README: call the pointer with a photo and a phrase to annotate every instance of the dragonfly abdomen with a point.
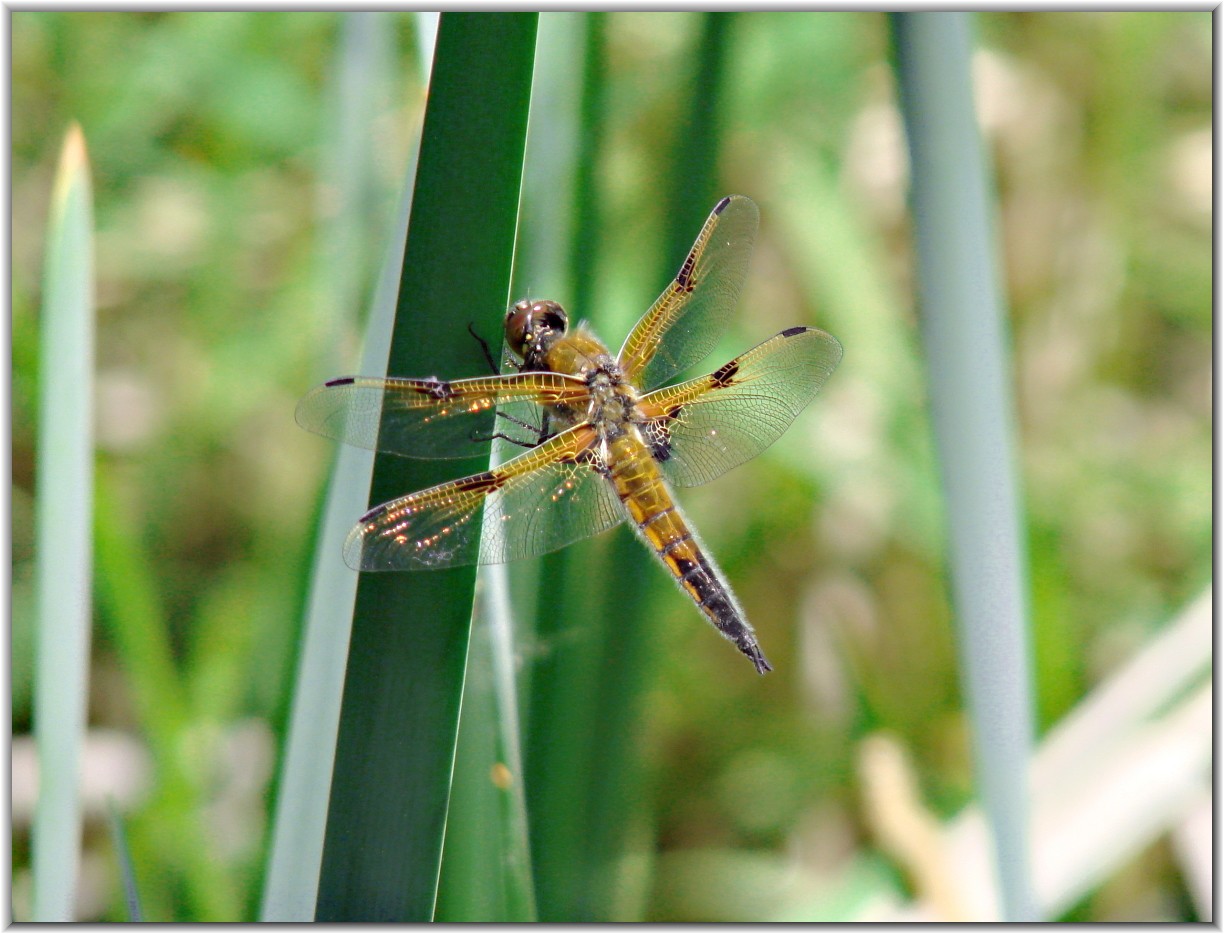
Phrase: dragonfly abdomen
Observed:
(663, 527)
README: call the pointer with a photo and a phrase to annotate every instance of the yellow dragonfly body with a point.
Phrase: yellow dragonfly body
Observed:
(603, 444)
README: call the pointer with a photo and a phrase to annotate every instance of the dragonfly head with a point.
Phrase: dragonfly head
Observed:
(531, 327)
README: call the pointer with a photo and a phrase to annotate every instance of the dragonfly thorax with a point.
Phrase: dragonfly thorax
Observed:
(612, 400)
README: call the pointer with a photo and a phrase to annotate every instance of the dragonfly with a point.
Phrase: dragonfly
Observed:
(605, 439)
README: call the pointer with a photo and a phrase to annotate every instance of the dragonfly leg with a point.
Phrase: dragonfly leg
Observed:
(488, 353)
(542, 434)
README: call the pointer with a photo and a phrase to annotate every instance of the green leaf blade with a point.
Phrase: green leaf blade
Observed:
(408, 650)
(64, 527)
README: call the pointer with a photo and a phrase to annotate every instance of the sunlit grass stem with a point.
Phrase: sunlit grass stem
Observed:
(965, 334)
(64, 530)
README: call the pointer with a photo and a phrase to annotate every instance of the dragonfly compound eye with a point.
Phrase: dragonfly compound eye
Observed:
(529, 325)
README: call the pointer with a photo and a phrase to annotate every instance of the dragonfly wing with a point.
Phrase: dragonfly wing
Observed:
(685, 322)
(430, 418)
(538, 502)
(702, 428)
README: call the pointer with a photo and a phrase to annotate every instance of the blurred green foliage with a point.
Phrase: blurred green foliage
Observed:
(206, 133)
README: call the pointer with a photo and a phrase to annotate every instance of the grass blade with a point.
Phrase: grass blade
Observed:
(1121, 770)
(363, 75)
(131, 893)
(966, 343)
(1115, 774)
(563, 679)
(408, 649)
(296, 851)
(297, 837)
(587, 689)
(487, 868)
(64, 527)
(135, 619)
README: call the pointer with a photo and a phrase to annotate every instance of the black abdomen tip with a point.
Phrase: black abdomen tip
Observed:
(761, 662)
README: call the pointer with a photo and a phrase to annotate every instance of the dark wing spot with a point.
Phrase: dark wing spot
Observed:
(373, 513)
(658, 435)
(481, 481)
(725, 373)
(436, 388)
(791, 332)
(722, 205)
(341, 381)
(684, 278)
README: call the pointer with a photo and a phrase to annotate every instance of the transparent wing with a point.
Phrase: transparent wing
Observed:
(428, 417)
(685, 322)
(538, 502)
(702, 428)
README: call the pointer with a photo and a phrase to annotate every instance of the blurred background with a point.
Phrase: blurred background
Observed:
(228, 285)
